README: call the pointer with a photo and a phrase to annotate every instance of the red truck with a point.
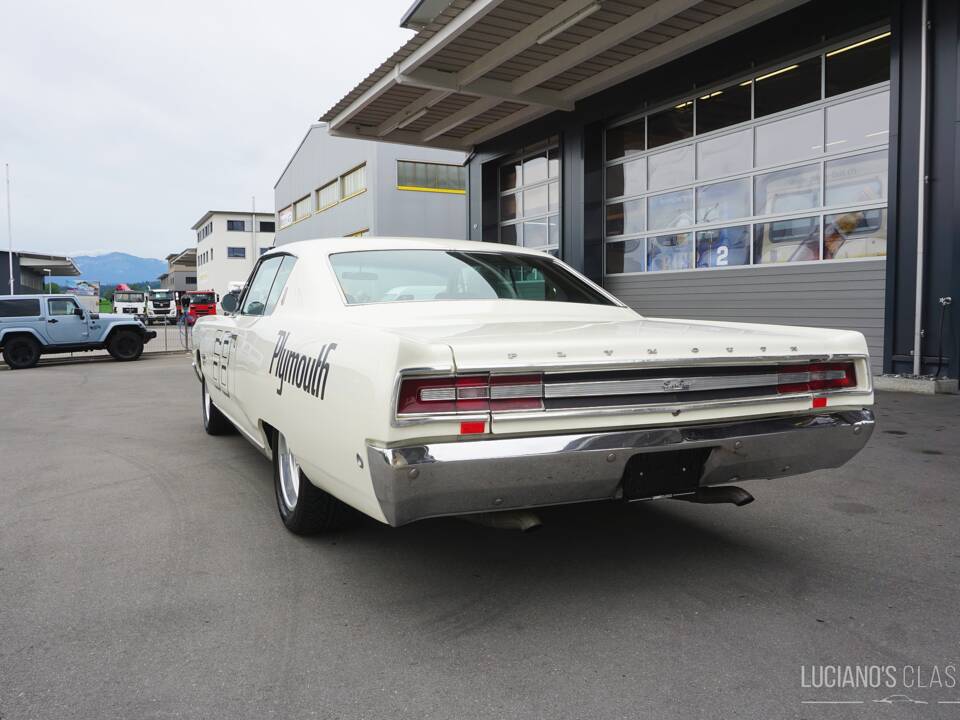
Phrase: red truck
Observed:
(198, 303)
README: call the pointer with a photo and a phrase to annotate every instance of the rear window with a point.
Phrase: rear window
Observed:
(20, 307)
(380, 276)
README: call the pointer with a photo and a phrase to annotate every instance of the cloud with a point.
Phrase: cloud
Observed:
(124, 122)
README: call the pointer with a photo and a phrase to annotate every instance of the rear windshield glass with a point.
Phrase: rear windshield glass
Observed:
(201, 298)
(128, 297)
(20, 307)
(379, 276)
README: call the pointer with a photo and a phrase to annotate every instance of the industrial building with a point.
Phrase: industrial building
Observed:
(181, 274)
(31, 271)
(228, 245)
(338, 187)
(775, 161)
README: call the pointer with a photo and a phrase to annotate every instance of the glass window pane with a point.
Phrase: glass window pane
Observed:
(858, 179)
(553, 223)
(535, 234)
(671, 210)
(508, 207)
(671, 168)
(626, 139)
(725, 155)
(787, 190)
(786, 241)
(670, 252)
(553, 162)
(723, 201)
(670, 125)
(625, 218)
(535, 201)
(859, 123)
(510, 175)
(784, 88)
(723, 108)
(793, 138)
(630, 178)
(723, 247)
(535, 168)
(858, 65)
(404, 173)
(554, 195)
(279, 282)
(855, 234)
(256, 298)
(509, 234)
(625, 257)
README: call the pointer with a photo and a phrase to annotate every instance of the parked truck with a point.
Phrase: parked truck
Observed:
(161, 307)
(130, 302)
(35, 325)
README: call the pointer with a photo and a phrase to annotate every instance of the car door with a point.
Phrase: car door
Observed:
(64, 325)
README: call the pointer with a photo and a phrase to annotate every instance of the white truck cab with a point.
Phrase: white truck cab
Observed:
(130, 302)
(161, 306)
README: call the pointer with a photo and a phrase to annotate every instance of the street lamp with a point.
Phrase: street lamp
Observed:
(46, 284)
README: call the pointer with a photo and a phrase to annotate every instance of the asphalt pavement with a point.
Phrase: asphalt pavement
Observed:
(144, 573)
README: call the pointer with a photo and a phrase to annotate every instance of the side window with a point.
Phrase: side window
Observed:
(19, 307)
(286, 267)
(259, 290)
(61, 306)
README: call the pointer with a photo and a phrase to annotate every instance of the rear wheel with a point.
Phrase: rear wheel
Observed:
(21, 352)
(214, 421)
(304, 508)
(125, 345)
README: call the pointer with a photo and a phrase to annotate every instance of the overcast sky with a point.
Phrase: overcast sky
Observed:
(123, 122)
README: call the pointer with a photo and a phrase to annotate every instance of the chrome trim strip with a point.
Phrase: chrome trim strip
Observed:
(664, 384)
(511, 392)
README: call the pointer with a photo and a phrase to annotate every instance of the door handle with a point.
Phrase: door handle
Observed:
(52, 320)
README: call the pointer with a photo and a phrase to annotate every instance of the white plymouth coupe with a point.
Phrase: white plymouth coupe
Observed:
(410, 378)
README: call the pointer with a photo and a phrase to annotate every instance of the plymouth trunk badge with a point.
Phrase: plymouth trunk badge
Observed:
(676, 385)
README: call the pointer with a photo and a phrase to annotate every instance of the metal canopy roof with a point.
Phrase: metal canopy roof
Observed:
(482, 67)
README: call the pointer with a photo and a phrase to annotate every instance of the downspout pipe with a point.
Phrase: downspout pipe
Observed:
(921, 194)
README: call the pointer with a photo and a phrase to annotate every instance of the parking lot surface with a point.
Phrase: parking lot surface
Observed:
(144, 573)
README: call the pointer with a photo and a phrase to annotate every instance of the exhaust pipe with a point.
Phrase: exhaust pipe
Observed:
(719, 494)
(522, 520)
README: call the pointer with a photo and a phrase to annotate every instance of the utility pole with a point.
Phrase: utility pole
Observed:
(10, 231)
(254, 254)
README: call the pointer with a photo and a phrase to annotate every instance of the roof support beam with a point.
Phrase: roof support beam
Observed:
(437, 80)
(744, 16)
(477, 107)
(403, 137)
(508, 123)
(611, 37)
(423, 103)
(521, 41)
(431, 47)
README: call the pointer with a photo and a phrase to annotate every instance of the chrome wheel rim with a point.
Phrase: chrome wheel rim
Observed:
(289, 473)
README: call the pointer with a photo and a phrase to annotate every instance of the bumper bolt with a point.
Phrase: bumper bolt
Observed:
(611, 457)
(413, 474)
(856, 429)
(738, 444)
(498, 501)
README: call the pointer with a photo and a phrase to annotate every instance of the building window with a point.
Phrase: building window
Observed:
(191, 279)
(431, 177)
(237, 225)
(328, 195)
(529, 194)
(353, 182)
(749, 182)
(301, 208)
(267, 226)
(286, 216)
(236, 252)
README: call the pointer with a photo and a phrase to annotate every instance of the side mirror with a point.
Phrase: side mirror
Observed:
(78, 312)
(229, 302)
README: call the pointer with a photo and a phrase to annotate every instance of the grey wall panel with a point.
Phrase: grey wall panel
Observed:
(845, 295)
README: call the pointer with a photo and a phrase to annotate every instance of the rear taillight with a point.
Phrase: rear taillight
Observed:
(470, 393)
(815, 377)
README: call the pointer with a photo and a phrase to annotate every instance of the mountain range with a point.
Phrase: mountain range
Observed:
(116, 267)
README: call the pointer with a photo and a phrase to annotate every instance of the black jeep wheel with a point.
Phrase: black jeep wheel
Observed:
(125, 345)
(21, 352)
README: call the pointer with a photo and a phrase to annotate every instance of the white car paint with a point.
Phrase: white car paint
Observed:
(365, 347)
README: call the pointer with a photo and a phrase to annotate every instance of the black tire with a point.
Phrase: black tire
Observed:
(125, 345)
(21, 352)
(214, 421)
(314, 510)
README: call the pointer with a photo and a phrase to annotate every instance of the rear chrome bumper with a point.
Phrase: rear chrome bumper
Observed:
(456, 478)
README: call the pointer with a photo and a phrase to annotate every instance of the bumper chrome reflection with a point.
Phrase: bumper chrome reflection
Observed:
(455, 478)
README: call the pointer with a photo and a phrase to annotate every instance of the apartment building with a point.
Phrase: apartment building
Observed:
(336, 187)
(228, 245)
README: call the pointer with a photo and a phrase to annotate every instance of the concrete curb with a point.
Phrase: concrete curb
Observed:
(920, 386)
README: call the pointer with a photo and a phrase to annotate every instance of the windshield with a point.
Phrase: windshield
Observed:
(201, 298)
(127, 297)
(161, 295)
(379, 276)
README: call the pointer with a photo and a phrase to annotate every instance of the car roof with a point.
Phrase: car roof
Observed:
(320, 247)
